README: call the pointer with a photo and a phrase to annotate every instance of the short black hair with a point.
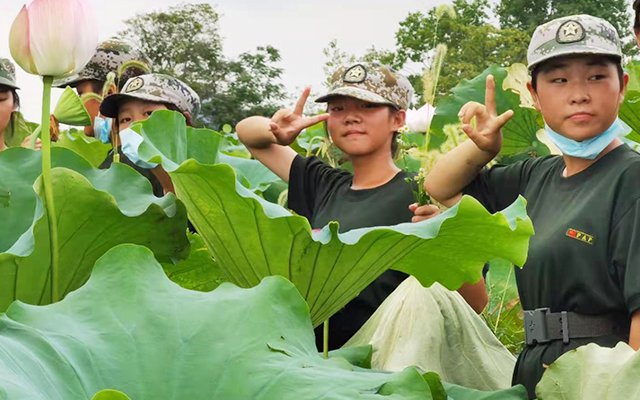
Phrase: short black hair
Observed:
(543, 66)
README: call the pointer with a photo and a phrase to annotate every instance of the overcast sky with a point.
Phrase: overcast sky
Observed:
(300, 30)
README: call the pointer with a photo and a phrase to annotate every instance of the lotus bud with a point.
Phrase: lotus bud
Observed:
(53, 37)
(419, 120)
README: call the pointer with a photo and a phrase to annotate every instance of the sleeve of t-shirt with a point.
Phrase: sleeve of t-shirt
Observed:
(625, 250)
(309, 180)
(498, 187)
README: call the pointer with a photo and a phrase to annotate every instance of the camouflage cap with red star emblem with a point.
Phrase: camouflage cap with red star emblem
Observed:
(576, 34)
(372, 82)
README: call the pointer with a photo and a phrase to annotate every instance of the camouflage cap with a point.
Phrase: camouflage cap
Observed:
(576, 34)
(109, 56)
(372, 82)
(157, 88)
(7, 73)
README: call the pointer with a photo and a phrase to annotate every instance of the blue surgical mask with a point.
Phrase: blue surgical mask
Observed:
(102, 129)
(131, 140)
(589, 148)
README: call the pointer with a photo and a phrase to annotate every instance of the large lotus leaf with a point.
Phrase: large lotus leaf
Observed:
(90, 148)
(519, 134)
(96, 210)
(132, 330)
(630, 113)
(592, 372)
(169, 141)
(199, 271)
(251, 238)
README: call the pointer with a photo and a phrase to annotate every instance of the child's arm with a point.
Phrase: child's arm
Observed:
(634, 333)
(268, 140)
(459, 167)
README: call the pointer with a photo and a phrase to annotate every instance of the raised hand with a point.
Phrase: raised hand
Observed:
(485, 133)
(287, 124)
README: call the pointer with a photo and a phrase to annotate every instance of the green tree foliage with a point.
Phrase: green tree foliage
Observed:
(473, 42)
(184, 41)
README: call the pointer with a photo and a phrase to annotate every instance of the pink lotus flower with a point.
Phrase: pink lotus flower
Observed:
(53, 37)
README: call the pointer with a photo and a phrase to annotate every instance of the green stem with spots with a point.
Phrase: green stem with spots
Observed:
(47, 182)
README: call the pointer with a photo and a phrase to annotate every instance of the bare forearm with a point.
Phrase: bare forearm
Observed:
(454, 171)
(634, 332)
(254, 132)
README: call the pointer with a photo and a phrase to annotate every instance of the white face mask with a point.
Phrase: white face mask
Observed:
(102, 128)
(131, 141)
(590, 148)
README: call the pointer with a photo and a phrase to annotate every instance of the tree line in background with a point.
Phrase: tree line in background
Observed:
(477, 34)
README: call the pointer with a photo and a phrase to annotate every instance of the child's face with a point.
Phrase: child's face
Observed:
(579, 96)
(361, 128)
(132, 110)
(6, 108)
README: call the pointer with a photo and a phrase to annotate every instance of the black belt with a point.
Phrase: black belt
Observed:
(542, 326)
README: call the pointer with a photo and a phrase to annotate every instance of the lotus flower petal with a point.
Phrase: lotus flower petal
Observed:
(19, 42)
(419, 120)
(59, 39)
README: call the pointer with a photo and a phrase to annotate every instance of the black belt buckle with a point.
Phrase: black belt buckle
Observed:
(535, 326)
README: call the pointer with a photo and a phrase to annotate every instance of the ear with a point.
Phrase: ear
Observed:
(187, 116)
(398, 119)
(534, 96)
(625, 82)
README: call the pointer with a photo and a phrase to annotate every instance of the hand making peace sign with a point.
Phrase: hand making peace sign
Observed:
(286, 124)
(486, 132)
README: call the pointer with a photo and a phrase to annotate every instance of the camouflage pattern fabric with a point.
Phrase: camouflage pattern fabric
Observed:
(576, 34)
(7, 73)
(109, 56)
(372, 82)
(157, 88)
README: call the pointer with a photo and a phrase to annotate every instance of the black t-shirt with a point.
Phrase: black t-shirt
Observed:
(323, 194)
(585, 254)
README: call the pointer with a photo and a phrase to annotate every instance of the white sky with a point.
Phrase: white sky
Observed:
(300, 30)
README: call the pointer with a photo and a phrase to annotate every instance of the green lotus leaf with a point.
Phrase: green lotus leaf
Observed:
(630, 113)
(251, 238)
(96, 210)
(18, 129)
(456, 392)
(88, 147)
(131, 330)
(109, 394)
(592, 372)
(199, 271)
(519, 134)
(70, 110)
(198, 144)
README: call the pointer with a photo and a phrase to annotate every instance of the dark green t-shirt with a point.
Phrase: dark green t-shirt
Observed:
(585, 254)
(323, 194)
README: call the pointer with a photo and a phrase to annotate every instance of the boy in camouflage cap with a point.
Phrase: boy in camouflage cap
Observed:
(581, 281)
(110, 56)
(141, 96)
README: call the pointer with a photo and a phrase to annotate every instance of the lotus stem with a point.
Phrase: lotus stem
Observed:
(325, 339)
(47, 182)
